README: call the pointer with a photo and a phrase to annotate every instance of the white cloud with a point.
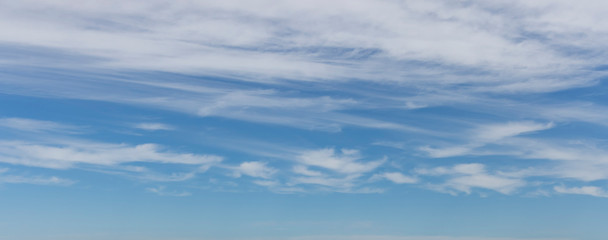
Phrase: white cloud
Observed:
(574, 111)
(32, 125)
(467, 168)
(412, 105)
(487, 134)
(344, 40)
(345, 161)
(330, 170)
(495, 132)
(269, 99)
(447, 151)
(69, 154)
(465, 177)
(304, 60)
(336, 183)
(454, 45)
(254, 169)
(585, 190)
(161, 191)
(303, 170)
(500, 184)
(395, 177)
(580, 160)
(156, 177)
(269, 106)
(37, 180)
(154, 126)
(266, 183)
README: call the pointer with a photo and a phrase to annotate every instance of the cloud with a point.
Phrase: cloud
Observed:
(330, 170)
(571, 159)
(254, 169)
(154, 126)
(487, 134)
(495, 132)
(574, 159)
(270, 106)
(412, 105)
(447, 151)
(343, 161)
(266, 183)
(161, 191)
(318, 47)
(32, 125)
(269, 99)
(37, 180)
(395, 177)
(63, 155)
(518, 49)
(465, 177)
(208, 98)
(466, 52)
(303, 170)
(385, 65)
(578, 111)
(156, 177)
(336, 183)
(585, 190)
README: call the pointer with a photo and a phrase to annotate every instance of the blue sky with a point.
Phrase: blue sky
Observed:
(303, 120)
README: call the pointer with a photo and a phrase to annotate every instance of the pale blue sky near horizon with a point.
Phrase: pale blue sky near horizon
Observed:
(303, 120)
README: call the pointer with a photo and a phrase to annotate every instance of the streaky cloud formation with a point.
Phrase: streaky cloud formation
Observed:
(37, 180)
(465, 177)
(254, 63)
(32, 125)
(395, 177)
(154, 126)
(68, 154)
(585, 190)
(350, 119)
(160, 190)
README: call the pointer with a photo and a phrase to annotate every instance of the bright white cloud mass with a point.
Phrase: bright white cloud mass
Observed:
(401, 99)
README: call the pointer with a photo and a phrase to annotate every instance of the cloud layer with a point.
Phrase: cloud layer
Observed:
(355, 96)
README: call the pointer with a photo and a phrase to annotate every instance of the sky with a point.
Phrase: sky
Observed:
(303, 120)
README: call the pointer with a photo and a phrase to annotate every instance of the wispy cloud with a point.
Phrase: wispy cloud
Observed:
(154, 126)
(521, 52)
(585, 190)
(318, 47)
(62, 155)
(465, 177)
(32, 125)
(162, 191)
(150, 176)
(495, 132)
(254, 169)
(333, 170)
(450, 79)
(486, 134)
(395, 177)
(342, 161)
(37, 180)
